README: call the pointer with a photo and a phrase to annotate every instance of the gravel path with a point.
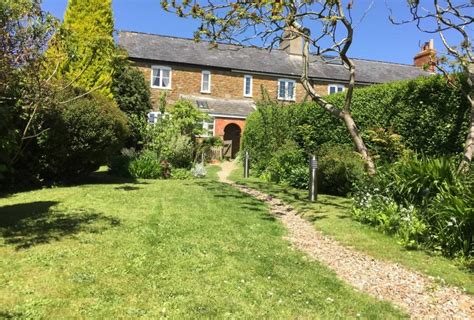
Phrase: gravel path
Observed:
(416, 293)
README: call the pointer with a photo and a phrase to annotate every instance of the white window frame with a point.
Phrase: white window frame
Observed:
(337, 86)
(286, 97)
(247, 76)
(205, 126)
(205, 72)
(160, 68)
(156, 116)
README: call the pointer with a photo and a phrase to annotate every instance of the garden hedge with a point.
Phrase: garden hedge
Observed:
(427, 115)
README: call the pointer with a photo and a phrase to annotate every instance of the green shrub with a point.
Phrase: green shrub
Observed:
(417, 180)
(266, 130)
(25, 31)
(119, 164)
(212, 142)
(428, 114)
(146, 166)
(385, 144)
(181, 174)
(339, 168)
(424, 202)
(178, 151)
(81, 135)
(452, 217)
(187, 118)
(425, 115)
(131, 91)
(173, 138)
(132, 94)
(288, 166)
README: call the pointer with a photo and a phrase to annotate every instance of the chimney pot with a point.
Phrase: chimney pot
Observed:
(427, 56)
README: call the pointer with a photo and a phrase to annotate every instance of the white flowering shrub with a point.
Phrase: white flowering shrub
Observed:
(424, 203)
(199, 171)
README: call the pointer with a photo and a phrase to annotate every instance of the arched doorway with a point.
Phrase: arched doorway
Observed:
(232, 132)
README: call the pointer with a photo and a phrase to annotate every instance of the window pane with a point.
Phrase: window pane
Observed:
(152, 117)
(165, 75)
(332, 89)
(156, 81)
(205, 81)
(166, 82)
(281, 89)
(248, 80)
(340, 88)
(156, 77)
(291, 89)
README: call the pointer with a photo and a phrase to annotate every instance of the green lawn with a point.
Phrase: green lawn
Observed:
(331, 215)
(177, 249)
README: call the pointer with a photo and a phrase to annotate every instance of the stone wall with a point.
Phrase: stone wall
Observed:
(224, 84)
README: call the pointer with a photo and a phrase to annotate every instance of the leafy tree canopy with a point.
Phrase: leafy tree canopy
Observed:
(131, 91)
(84, 51)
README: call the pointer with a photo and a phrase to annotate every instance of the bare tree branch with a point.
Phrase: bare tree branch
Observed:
(443, 17)
(270, 22)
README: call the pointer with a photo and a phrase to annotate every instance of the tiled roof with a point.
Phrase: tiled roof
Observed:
(257, 60)
(225, 107)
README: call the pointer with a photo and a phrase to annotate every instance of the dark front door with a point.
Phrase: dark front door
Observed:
(232, 132)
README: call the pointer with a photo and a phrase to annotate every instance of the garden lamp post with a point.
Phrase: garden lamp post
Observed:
(313, 180)
(246, 164)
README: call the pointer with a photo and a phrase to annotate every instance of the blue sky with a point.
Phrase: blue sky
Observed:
(375, 38)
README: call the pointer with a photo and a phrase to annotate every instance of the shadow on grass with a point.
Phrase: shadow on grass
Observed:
(314, 218)
(103, 177)
(127, 188)
(11, 315)
(220, 190)
(95, 178)
(246, 202)
(28, 224)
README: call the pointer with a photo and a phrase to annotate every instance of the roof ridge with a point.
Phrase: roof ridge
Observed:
(191, 39)
(387, 62)
(260, 48)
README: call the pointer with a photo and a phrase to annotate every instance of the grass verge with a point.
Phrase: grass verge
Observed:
(331, 215)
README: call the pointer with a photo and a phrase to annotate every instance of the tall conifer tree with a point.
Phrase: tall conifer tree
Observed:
(84, 52)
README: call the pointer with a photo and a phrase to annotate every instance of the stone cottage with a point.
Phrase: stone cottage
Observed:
(226, 81)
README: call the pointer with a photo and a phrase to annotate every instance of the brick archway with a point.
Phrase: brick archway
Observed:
(232, 132)
(220, 125)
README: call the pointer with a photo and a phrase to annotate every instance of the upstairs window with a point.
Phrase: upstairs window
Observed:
(286, 89)
(248, 86)
(206, 82)
(161, 77)
(335, 88)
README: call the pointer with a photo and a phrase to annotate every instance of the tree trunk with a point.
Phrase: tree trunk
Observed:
(343, 114)
(469, 144)
(358, 141)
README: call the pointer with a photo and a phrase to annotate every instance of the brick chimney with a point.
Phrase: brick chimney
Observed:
(291, 42)
(426, 59)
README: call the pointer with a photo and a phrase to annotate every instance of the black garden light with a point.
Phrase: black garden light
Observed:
(313, 180)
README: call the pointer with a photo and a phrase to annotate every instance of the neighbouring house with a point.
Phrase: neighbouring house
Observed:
(226, 81)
